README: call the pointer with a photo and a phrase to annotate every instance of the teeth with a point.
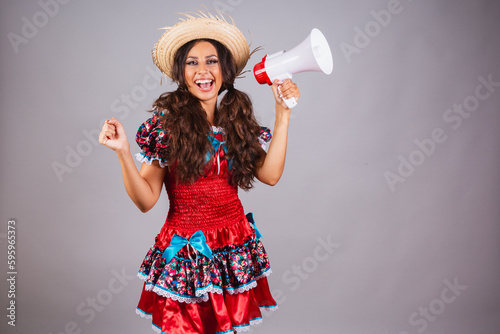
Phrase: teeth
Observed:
(203, 81)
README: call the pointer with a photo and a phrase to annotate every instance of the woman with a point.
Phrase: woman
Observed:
(207, 270)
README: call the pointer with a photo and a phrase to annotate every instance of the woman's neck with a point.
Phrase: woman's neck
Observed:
(210, 110)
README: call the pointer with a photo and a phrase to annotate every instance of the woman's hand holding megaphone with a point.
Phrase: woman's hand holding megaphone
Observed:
(285, 90)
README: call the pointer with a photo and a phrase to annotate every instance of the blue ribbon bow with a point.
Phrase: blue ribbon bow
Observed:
(197, 241)
(216, 144)
(252, 223)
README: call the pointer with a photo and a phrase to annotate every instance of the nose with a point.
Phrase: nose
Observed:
(202, 68)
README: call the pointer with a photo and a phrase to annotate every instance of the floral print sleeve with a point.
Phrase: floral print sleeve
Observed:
(152, 139)
(265, 136)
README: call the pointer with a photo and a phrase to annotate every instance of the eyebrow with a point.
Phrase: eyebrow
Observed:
(210, 56)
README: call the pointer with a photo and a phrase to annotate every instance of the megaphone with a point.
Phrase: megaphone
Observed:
(313, 54)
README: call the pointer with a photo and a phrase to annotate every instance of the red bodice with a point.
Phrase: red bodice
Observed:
(208, 203)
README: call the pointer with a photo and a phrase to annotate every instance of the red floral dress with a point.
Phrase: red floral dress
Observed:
(207, 270)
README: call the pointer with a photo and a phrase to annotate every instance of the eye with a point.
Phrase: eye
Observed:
(191, 62)
(212, 61)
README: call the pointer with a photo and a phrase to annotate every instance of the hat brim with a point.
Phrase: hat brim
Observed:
(200, 28)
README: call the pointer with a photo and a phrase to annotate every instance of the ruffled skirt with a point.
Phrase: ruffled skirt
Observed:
(193, 293)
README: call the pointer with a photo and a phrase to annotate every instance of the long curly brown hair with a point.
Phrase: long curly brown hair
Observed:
(186, 122)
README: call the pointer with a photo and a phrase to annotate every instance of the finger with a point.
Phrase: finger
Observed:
(288, 84)
(110, 135)
(120, 130)
(103, 137)
(289, 93)
(107, 133)
(276, 90)
(276, 83)
(113, 121)
(286, 87)
(102, 134)
(107, 125)
(110, 132)
(290, 90)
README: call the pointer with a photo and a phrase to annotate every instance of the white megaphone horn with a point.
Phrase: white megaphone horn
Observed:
(313, 54)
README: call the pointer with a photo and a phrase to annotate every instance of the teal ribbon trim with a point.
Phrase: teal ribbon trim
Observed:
(197, 241)
(252, 223)
(216, 144)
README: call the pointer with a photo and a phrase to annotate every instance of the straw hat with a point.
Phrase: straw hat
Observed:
(203, 25)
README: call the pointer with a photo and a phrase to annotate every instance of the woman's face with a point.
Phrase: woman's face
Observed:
(202, 72)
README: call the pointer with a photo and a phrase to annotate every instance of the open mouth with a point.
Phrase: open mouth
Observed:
(205, 85)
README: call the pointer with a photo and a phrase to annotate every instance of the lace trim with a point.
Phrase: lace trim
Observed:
(156, 329)
(175, 297)
(202, 294)
(241, 289)
(264, 274)
(269, 308)
(217, 129)
(141, 157)
(207, 289)
(189, 300)
(246, 328)
(263, 144)
(237, 328)
(143, 314)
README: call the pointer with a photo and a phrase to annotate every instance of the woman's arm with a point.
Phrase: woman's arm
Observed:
(144, 187)
(272, 164)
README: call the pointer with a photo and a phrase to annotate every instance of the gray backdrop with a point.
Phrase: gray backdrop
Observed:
(386, 219)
